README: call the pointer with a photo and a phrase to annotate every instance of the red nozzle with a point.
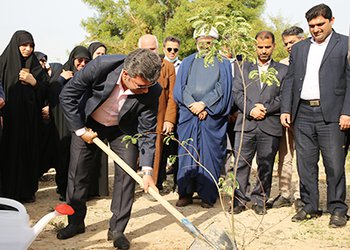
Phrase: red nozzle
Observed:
(64, 209)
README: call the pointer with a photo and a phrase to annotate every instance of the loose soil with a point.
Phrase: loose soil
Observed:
(152, 227)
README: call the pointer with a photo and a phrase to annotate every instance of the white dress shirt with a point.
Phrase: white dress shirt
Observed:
(263, 68)
(311, 84)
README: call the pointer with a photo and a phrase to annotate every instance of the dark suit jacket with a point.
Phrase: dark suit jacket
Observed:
(92, 85)
(334, 78)
(269, 96)
(2, 94)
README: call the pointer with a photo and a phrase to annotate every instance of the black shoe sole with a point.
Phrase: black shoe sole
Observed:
(64, 237)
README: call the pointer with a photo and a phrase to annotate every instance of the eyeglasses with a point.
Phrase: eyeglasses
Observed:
(146, 86)
(142, 86)
(80, 60)
(174, 49)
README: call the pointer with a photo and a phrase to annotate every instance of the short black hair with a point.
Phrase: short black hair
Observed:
(265, 34)
(319, 10)
(171, 39)
(293, 31)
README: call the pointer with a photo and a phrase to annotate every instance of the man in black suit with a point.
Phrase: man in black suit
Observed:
(316, 99)
(2, 104)
(262, 129)
(113, 96)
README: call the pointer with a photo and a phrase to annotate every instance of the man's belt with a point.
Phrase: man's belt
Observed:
(311, 103)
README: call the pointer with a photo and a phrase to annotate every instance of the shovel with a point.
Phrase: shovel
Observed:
(222, 242)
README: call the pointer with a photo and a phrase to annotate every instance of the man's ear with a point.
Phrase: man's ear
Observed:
(125, 74)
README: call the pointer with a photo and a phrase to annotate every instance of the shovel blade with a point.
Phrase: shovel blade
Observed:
(216, 236)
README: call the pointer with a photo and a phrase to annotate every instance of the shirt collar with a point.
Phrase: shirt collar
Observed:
(265, 64)
(119, 83)
(325, 42)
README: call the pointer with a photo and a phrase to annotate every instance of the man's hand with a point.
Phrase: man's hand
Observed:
(202, 115)
(197, 107)
(148, 182)
(258, 112)
(89, 135)
(344, 122)
(168, 127)
(27, 78)
(285, 120)
(2, 103)
(45, 112)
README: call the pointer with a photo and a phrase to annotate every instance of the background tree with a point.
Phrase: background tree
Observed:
(277, 25)
(120, 23)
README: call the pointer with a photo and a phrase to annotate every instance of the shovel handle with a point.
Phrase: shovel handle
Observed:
(179, 216)
(138, 179)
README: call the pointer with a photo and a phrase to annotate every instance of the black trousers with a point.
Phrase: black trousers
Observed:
(81, 166)
(312, 136)
(265, 146)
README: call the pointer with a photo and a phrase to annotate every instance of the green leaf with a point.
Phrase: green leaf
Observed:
(126, 138)
(172, 159)
(253, 74)
(133, 140)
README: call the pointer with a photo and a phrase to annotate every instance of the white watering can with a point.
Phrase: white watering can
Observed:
(15, 232)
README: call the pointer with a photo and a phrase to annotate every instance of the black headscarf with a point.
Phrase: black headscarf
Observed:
(56, 68)
(40, 55)
(94, 46)
(12, 61)
(78, 52)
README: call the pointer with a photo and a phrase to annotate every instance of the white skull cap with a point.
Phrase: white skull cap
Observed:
(213, 33)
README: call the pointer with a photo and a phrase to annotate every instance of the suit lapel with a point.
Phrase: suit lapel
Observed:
(305, 53)
(111, 81)
(255, 81)
(331, 44)
(129, 103)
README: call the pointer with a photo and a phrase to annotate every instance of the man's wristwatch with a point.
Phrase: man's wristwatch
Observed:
(148, 172)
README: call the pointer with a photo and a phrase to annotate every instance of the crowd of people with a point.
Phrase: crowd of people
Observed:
(50, 114)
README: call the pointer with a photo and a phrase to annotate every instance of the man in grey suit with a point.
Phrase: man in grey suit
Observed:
(113, 96)
(316, 99)
(262, 130)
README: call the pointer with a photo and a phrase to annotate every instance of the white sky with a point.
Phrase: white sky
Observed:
(55, 24)
(294, 12)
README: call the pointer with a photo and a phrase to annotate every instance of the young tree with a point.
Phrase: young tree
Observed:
(235, 39)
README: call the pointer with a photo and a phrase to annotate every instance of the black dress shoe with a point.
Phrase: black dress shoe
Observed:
(184, 201)
(302, 215)
(119, 240)
(259, 210)
(237, 209)
(206, 204)
(70, 230)
(338, 220)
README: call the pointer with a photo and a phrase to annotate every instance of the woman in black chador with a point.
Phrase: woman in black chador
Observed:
(77, 60)
(99, 177)
(47, 129)
(24, 83)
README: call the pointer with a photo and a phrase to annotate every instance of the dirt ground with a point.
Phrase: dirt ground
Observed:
(152, 227)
